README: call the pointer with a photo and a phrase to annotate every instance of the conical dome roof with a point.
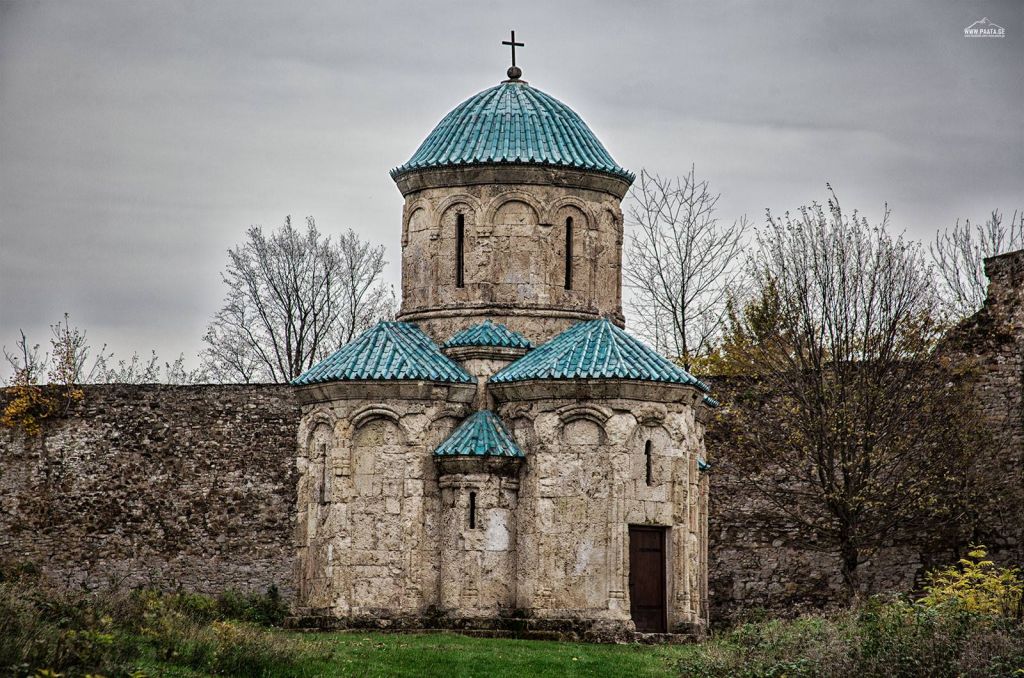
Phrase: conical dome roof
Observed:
(481, 435)
(596, 349)
(387, 351)
(513, 123)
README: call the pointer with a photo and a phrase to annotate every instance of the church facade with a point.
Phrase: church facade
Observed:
(504, 455)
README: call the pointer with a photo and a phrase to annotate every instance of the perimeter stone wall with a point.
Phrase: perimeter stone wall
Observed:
(992, 343)
(164, 485)
(756, 563)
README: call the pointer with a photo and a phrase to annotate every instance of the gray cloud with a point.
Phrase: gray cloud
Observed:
(139, 140)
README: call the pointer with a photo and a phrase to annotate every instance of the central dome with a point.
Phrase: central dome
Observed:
(513, 123)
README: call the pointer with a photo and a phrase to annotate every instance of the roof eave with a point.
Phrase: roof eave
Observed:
(412, 179)
(596, 389)
(461, 353)
(385, 389)
(456, 465)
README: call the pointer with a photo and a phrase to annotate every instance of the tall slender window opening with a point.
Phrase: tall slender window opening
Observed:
(460, 250)
(472, 510)
(649, 463)
(568, 253)
(323, 473)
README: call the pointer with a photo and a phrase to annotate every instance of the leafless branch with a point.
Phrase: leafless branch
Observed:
(293, 298)
(680, 264)
(959, 254)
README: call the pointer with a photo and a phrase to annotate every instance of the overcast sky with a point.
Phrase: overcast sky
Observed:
(139, 139)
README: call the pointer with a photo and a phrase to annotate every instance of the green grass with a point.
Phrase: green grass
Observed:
(451, 655)
(122, 633)
(878, 640)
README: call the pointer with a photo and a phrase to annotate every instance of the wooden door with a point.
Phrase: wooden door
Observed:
(647, 578)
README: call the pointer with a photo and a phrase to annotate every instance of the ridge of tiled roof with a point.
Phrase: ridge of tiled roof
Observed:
(488, 333)
(390, 350)
(482, 434)
(596, 349)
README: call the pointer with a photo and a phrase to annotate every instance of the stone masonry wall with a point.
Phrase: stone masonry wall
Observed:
(369, 549)
(515, 250)
(755, 564)
(391, 542)
(166, 485)
(992, 344)
(585, 484)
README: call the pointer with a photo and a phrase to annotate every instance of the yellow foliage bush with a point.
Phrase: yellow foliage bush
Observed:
(977, 584)
(29, 405)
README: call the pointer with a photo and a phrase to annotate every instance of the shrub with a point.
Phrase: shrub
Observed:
(240, 649)
(29, 405)
(267, 609)
(65, 632)
(50, 630)
(883, 638)
(977, 585)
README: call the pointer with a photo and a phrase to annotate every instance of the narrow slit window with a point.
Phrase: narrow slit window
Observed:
(472, 510)
(323, 473)
(649, 463)
(460, 250)
(568, 253)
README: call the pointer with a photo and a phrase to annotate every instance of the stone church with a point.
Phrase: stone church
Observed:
(503, 458)
(504, 455)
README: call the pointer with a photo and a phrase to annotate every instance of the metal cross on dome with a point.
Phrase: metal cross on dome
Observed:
(513, 44)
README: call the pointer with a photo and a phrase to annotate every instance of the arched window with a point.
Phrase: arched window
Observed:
(649, 463)
(472, 510)
(324, 473)
(460, 250)
(568, 253)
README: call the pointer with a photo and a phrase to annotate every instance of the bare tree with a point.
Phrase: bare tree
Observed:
(293, 298)
(681, 263)
(27, 365)
(959, 253)
(71, 360)
(139, 370)
(850, 428)
(228, 355)
(364, 300)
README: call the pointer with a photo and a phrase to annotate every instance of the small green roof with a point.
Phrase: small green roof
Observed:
(596, 349)
(513, 123)
(481, 435)
(488, 334)
(387, 351)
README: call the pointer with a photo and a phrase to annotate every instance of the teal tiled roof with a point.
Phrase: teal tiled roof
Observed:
(387, 351)
(513, 123)
(481, 435)
(595, 349)
(488, 334)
